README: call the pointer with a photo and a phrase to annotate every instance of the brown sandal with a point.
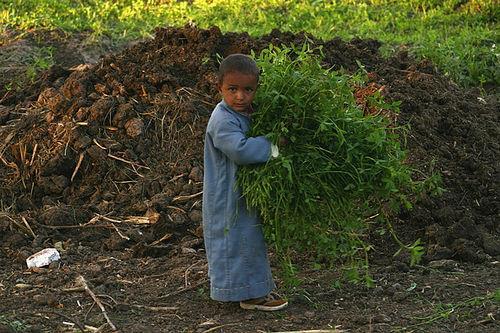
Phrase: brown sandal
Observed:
(271, 302)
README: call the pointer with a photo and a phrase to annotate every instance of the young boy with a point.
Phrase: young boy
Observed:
(238, 265)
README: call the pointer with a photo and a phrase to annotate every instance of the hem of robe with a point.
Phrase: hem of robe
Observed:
(237, 294)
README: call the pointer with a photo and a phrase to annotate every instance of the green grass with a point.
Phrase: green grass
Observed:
(462, 310)
(13, 324)
(32, 63)
(459, 36)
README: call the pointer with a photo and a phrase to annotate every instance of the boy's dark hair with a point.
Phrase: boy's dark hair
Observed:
(238, 62)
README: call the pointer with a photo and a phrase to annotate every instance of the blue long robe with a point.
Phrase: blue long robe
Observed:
(238, 265)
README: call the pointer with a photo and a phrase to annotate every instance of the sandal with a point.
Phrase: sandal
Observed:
(271, 302)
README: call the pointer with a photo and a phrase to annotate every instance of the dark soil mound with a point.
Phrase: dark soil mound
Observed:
(119, 144)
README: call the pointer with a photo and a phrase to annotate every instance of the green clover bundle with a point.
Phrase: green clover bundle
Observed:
(339, 166)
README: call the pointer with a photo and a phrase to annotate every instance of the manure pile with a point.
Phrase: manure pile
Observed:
(119, 145)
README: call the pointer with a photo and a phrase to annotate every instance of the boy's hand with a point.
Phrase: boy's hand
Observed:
(282, 141)
(275, 152)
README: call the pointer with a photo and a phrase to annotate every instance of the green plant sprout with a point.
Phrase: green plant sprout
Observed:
(41, 60)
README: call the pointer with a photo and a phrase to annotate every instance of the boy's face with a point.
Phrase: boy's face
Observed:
(238, 90)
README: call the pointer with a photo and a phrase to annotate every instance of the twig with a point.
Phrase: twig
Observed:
(177, 177)
(88, 312)
(107, 296)
(15, 222)
(183, 198)
(76, 322)
(220, 326)
(167, 236)
(119, 233)
(33, 155)
(177, 208)
(80, 159)
(9, 164)
(141, 219)
(153, 308)
(186, 273)
(183, 289)
(128, 162)
(93, 220)
(28, 226)
(154, 276)
(194, 204)
(98, 145)
(22, 153)
(72, 289)
(75, 226)
(80, 280)
(135, 171)
(128, 219)
(108, 218)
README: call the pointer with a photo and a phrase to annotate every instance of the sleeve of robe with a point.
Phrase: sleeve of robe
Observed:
(229, 138)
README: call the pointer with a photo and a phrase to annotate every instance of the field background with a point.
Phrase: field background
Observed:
(48, 55)
(460, 37)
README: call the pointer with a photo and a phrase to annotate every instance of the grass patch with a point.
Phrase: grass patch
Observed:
(24, 63)
(460, 310)
(13, 324)
(460, 37)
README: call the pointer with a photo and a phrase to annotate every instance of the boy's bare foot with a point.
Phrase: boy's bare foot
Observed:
(271, 302)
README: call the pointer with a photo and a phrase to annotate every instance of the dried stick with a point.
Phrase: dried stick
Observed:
(128, 162)
(196, 285)
(186, 273)
(99, 145)
(108, 218)
(119, 233)
(22, 153)
(217, 327)
(183, 198)
(80, 159)
(28, 226)
(9, 164)
(71, 290)
(80, 280)
(108, 226)
(15, 222)
(153, 308)
(141, 219)
(177, 177)
(33, 155)
(177, 208)
(74, 321)
(165, 237)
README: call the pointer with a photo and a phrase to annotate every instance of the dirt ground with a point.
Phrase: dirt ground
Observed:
(102, 158)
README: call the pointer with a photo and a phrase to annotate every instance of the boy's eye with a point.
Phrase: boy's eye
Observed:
(249, 89)
(232, 89)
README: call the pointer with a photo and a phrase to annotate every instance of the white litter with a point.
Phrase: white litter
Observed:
(43, 258)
